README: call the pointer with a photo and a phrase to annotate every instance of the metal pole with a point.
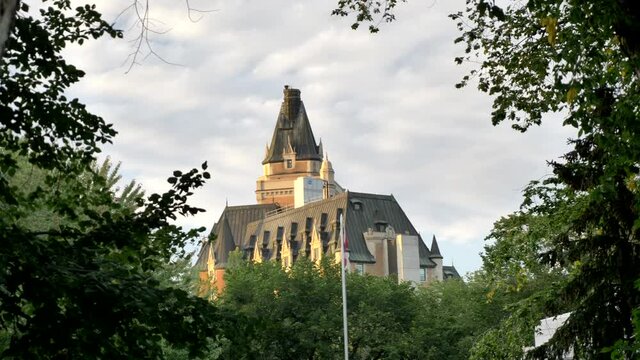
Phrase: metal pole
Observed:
(344, 290)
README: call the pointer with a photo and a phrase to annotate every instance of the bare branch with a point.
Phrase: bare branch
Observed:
(145, 26)
(191, 10)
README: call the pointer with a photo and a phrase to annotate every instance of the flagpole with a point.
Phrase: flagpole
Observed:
(343, 259)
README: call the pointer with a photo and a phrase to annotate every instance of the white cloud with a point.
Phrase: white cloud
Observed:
(384, 105)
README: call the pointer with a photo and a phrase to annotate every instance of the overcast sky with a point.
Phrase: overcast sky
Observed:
(384, 105)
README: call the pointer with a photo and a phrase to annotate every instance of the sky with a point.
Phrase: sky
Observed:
(384, 105)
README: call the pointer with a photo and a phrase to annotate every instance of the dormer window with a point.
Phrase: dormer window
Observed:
(356, 204)
(265, 238)
(323, 221)
(381, 225)
(289, 164)
(308, 225)
(279, 234)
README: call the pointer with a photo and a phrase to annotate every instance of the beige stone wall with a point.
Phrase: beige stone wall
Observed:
(377, 244)
(379, 267)
(435, 273)
(408, 258)
(276, 184)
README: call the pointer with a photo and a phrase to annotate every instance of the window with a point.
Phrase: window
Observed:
(308, 225)
(423, 275)
(356, 204)
(289, 163)
(380, 225)
(359, 268)
(279, 234)
(323, 221)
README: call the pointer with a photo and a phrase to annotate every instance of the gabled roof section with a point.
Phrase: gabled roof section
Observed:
(232, 224)
(224, 244)
(292, 128)
(450, 272)
(203, 254)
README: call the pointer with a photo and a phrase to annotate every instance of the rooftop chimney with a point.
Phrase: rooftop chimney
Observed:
(291, 102)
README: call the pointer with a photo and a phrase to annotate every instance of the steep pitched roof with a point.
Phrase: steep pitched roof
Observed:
(450, 272)
(425, 256)
(203, 254)
(224, 244)
(292, 128)
(231, 226)
(371, 208)
(435, 250)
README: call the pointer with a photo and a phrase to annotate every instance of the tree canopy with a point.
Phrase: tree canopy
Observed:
(579, 59)
(296, 313)
(83, 285)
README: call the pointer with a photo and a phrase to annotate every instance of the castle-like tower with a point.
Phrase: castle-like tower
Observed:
(292, 154)
(298, 212)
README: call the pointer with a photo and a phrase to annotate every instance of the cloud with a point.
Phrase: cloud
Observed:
(384, 105)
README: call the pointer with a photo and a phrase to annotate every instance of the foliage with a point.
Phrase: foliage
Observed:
(93, 274)
(582, 222)
(293, 314)
(628, 348)
(296, 313)
(380, 313)
(79, 268)
(452, 316)
(366, 11)
(33, 79)
(130, 195)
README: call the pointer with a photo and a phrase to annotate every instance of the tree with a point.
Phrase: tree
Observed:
(86, 285)
(7, 12)
(372, 12)
(130, 195)
(296, 313)
(582, 60)
(289, 315)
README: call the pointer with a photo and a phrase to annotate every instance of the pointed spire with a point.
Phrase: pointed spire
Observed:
(435, 250)
(326, 169)
(292, 126)
(320, 149)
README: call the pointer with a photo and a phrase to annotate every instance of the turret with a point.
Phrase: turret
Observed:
(292, 153)
(436, 257)
(326, 170)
